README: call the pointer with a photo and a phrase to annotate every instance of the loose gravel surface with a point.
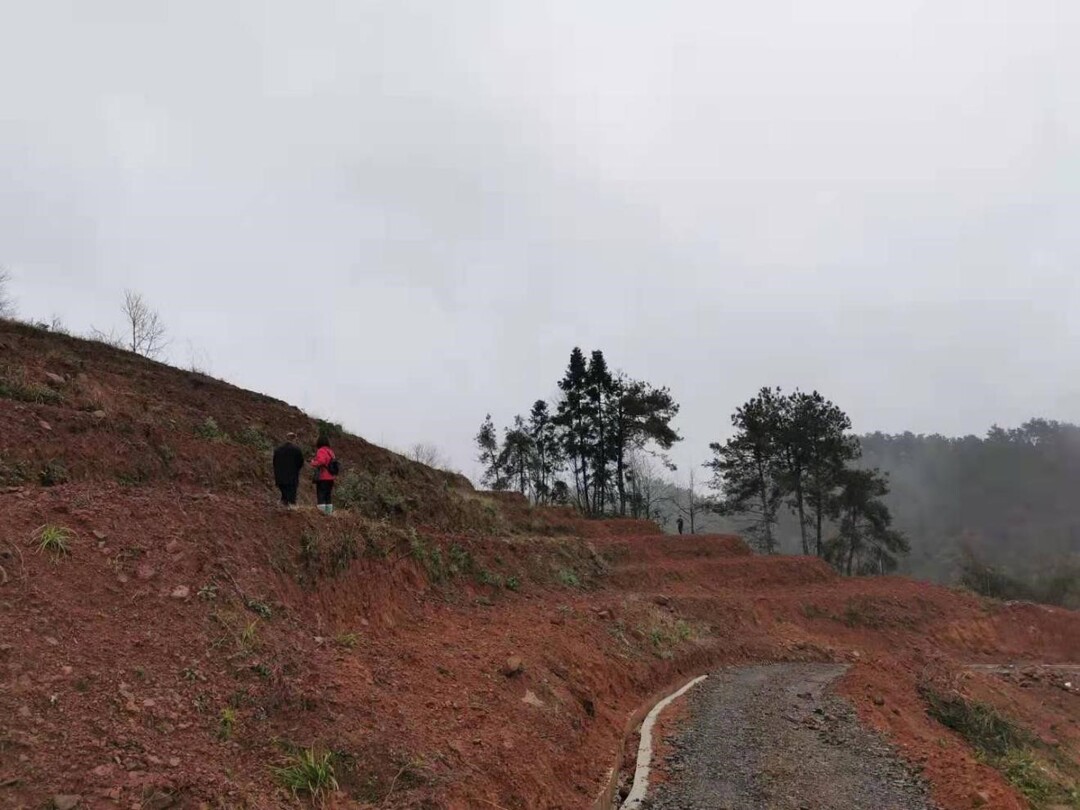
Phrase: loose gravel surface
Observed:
(776, 738)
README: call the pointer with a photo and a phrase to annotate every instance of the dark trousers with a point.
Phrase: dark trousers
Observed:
(288, 492)
(324, 492)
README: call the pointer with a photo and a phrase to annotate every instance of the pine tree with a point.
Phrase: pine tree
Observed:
(572, 417)
(814, 449)
(747, 469)
(487, 440)
(516, 457)
(600, 394)
(865, 536)
(547, 455)
(642, 414)
(600, 419)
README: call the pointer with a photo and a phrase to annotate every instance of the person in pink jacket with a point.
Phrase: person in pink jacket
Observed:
(326, 470)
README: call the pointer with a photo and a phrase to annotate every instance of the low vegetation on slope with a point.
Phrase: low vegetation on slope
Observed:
(1045, 776)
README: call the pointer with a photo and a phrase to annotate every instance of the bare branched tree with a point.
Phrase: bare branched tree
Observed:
(689, 503)
(198, 359)
(7, 304)
(428, 454)
(56, 324)
(146, 332)
(109, 338)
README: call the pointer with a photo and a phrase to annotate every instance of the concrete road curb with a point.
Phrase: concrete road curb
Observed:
(644, 761)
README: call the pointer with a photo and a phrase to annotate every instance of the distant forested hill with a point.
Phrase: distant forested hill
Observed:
(1011, 498)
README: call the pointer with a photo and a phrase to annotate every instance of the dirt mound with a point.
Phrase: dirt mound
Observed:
(80, 411)
(170, 638)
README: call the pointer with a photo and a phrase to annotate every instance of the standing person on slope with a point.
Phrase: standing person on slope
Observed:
(326, 470)
(288, 462)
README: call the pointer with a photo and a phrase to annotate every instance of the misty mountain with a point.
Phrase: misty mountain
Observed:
(1008, 498)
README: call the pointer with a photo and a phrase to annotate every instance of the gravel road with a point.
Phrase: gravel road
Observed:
(776, 738)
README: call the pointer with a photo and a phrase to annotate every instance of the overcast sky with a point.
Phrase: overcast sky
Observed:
(403, 215)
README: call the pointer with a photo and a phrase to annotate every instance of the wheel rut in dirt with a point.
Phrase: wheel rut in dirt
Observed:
(777, 737)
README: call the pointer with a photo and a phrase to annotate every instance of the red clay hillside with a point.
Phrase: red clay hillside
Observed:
(169, 637)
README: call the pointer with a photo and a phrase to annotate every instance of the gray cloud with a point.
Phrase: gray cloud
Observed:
(403, 215)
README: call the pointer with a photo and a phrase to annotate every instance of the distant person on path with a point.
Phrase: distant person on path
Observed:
(326, 470)
(680, 524)
(288, 462)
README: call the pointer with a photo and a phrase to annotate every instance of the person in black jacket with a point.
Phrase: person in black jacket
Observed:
(288, 462)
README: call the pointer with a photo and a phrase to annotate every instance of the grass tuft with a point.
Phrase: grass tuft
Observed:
(348, 641)
(55, 540)
(15, 385)
(309, 773)
(250, 635)
(226, 724)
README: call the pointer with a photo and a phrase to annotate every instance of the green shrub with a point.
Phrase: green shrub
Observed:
(342, 553)
(133, 477)
(485, 577)
(461, 561)
(53, 473)
(262, 670)
(260, 609)
(211, 431)
(862, 613)
(568, 578)
(373, 548)
(13, 473)
(253, 436)
(376, 496)
(166, 454)
(208, 592)
(429, 556)
(331, 430)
